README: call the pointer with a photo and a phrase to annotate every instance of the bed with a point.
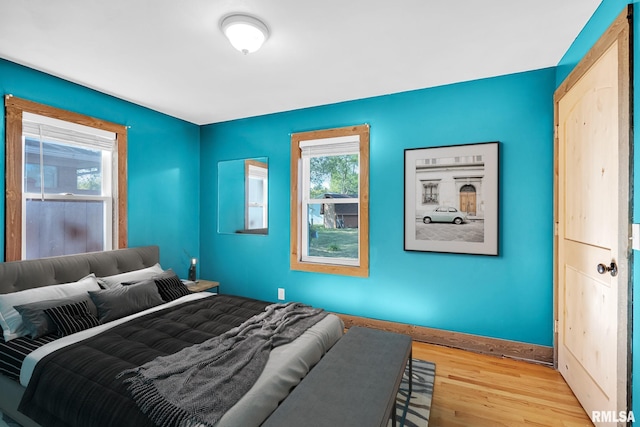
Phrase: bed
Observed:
(87, 377)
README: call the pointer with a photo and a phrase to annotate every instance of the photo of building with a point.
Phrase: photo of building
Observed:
(451, 181)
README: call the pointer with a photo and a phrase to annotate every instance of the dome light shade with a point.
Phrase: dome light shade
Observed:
(245, 33)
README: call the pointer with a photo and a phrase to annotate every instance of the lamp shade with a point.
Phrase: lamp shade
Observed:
(245, 33)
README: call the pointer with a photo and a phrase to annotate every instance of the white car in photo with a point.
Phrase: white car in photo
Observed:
(442, 214)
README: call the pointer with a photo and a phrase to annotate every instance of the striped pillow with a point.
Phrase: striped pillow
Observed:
(72, 318)
(13, 353)
(171, 288)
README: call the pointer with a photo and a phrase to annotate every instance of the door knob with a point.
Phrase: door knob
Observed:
(612, 268)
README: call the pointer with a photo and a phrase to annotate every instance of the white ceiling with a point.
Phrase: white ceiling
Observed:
(171, 56)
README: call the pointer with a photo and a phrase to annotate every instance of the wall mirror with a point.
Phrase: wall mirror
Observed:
(243, 195)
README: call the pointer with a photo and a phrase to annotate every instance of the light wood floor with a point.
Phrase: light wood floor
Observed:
(474, 390)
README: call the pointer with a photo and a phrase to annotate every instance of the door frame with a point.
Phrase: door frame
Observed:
(620, 31)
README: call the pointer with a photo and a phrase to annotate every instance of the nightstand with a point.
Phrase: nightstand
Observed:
(204, 285)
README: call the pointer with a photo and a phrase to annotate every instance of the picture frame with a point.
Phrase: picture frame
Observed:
(451, 199)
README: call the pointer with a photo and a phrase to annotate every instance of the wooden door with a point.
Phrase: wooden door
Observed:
(592, 214)
(468, 200)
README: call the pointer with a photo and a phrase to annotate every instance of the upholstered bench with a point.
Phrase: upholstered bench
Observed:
(354, 384)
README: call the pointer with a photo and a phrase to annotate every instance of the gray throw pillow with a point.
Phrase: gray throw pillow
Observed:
(38, 323)
(122, 301)
(114, 281)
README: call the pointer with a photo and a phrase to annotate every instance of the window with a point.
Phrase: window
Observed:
(256, 194)
(66, 182)
(429, 193)
(329, 201)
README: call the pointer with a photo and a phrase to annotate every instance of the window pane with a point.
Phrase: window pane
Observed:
(256, 191)
(67, 169)
(63, 227)
(334, 175)
(331, 233)
(256, 217)
(34, 179)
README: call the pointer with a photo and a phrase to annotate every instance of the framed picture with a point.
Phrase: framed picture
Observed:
(451, 199)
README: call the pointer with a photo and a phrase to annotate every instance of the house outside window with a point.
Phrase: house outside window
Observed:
(66, 186)
(330, 176)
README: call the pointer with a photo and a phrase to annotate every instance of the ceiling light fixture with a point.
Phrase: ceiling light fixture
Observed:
(245, 33)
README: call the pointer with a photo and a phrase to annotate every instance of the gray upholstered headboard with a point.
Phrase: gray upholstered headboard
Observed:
(20, 275)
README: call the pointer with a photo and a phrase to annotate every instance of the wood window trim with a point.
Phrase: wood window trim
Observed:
(296, 202)
(14, 107)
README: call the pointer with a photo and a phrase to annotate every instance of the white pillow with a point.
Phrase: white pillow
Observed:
(131, 276)
(10, 319)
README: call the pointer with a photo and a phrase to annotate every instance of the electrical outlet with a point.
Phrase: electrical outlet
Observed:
(281, 294)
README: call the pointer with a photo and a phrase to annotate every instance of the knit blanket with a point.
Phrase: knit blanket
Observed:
(198, 384)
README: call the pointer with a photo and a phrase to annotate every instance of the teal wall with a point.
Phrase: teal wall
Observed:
(509, 296)
(163, 152)
(606, 13)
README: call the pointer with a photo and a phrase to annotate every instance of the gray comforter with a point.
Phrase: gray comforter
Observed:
(200, 383)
